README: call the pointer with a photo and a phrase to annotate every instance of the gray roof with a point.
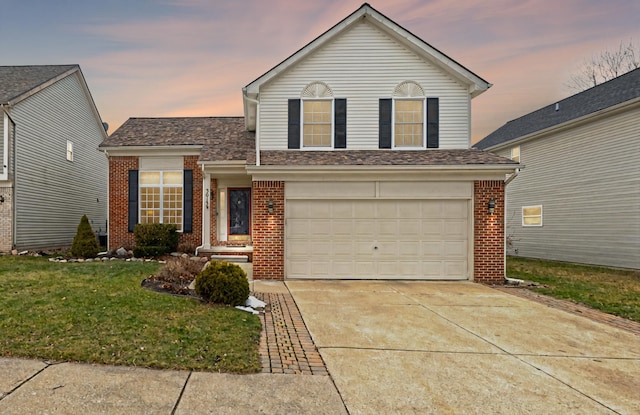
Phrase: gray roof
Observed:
(226, 139)
(17, 80)
(222, 138)
(460, 157)
(616, 91)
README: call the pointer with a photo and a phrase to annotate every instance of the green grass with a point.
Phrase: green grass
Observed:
(614, 291)
(99, 313)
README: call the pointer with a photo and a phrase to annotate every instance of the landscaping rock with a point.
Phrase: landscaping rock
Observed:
(121, 252)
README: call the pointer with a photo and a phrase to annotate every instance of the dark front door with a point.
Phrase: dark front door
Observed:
(239, 214)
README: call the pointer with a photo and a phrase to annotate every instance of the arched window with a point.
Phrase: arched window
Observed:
(408, 112)
(317, 120)
(410, 119)
(317, 115)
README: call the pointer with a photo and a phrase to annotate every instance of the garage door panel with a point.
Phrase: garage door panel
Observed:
(416, 239)
(455, 229)
(456, 249)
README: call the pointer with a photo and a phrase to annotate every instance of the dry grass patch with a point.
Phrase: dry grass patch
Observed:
(614, 291)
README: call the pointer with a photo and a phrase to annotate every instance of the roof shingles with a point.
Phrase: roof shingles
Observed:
(616, 91)
(17, 80)
(226, 139)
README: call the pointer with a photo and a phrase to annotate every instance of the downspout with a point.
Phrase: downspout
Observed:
(506, 182)
(12, 149)
(257, 127)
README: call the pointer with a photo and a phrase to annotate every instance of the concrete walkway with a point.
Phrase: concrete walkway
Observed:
(390, 347)
(454, 348)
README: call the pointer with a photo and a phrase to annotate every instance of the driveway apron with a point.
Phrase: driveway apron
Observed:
(460, 347)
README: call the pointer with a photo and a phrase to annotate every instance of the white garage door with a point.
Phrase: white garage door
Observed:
(377, 239)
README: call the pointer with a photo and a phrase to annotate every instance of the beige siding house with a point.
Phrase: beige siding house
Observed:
(52, 172)
(352, 161)
(578, 197)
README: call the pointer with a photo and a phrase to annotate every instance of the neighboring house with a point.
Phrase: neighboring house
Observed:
(352, 160)
(578, 197)
(51, 172)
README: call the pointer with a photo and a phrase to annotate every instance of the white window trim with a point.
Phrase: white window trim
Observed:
(162, 186)
(424, 124)
(69, 150)
(541, 216)
(332, 117)
(512, 157)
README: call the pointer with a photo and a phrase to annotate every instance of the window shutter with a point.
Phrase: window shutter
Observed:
(187, 225)
(340, 123)
(294, 124)
(433, 127)
(384, 123)
(133, 199)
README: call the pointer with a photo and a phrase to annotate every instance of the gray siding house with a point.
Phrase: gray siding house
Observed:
(51, 172)
(577, 198)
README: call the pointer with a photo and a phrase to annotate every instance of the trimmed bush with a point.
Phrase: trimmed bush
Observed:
(154, 239)
(223, 283)
(85, 244)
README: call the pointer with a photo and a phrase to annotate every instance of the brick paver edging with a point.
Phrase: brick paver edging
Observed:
(574, 308)
(285, 343)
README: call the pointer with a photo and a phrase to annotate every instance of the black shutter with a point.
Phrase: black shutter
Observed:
(133, 199)
(340, 123)
(294, 123)
(433, 123)
(384, 123)
(187, 225)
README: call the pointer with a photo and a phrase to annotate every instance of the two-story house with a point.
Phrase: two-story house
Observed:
(352, 160)
(51, 172)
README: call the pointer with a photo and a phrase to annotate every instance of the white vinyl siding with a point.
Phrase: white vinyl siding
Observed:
(588, 180)
(52, 194)
(363, 65)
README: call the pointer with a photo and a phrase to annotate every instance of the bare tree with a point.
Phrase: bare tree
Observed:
(604, 66)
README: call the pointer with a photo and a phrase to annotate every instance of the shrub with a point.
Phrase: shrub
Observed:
(85, 244)
(223, 283)
(154, 239)
(180, 270)
(187, 248)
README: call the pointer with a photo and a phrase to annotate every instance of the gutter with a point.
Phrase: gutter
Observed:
(512, 176)
(202, 221)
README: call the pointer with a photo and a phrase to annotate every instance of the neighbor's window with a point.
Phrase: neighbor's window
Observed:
(408, 123)
(316, 122)
(515, 154)
(161, 198)
(69, 150)
(532, 215)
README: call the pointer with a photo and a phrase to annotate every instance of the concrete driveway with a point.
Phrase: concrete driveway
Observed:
(453, 348)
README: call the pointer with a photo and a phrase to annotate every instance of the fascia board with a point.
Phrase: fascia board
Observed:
(152, 151)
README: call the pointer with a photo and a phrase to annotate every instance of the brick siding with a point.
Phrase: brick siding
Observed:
(489, 255)
(6, 219)
(119, 235)
(119, 167)
(268, 230)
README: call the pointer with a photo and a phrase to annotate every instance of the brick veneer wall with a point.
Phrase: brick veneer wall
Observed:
(195, 237)
(6, 219)
(119, 201)
(268, 230)
(488, 232)
(119, 235)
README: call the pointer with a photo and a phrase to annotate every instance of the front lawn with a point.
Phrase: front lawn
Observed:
(98, 312)
(614, 291)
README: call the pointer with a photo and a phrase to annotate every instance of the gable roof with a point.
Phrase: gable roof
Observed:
(477, 85)
(608, 94)
(219, 138)
(19, 82)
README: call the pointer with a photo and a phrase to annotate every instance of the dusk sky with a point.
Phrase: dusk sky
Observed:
(158, 58)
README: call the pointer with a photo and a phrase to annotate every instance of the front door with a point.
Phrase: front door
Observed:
(239, 214)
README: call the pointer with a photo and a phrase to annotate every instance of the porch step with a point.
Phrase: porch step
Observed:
(231, 258)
